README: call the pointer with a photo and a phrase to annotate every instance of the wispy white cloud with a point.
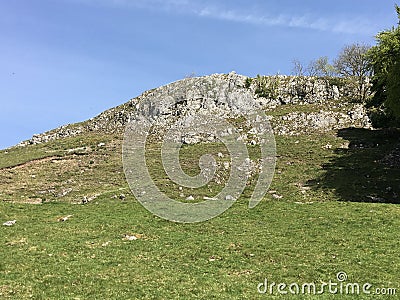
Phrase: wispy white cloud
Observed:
(335, 24)
(279, 20)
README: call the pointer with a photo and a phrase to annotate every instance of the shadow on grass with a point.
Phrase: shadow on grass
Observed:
(365, 170)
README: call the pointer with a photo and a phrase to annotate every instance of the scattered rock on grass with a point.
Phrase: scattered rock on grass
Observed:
(130, 237)
(63, 219)
(9, 223)
(88, 199)
(376, 199)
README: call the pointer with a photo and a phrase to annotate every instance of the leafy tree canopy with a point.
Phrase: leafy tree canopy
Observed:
(385, 62)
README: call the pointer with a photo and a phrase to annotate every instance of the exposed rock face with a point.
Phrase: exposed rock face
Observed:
(228, 96)
(222, 95)
(331, 118)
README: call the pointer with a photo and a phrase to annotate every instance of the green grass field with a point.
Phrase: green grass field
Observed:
(337, 213)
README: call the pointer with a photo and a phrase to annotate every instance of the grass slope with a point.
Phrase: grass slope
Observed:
(321, 225)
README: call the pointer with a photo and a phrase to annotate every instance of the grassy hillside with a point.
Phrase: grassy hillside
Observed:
(331, 208)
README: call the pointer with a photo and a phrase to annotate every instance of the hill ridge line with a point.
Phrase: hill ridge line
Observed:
(329, 100)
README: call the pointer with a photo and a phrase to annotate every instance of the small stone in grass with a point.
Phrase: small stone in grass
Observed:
(63, 219)
(130, 237)
(9, 223)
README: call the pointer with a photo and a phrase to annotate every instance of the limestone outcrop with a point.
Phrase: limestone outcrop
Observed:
(309, 104)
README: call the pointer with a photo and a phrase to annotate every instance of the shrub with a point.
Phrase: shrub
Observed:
(267, 86)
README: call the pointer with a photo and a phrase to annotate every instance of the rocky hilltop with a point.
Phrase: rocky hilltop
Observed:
(295, 105)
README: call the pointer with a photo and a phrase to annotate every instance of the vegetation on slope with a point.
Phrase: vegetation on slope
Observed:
(310, 226)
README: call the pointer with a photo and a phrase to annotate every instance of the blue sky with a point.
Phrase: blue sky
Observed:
(64, 61)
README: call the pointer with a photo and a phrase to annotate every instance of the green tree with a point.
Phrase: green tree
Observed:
(393, 88)
(353, 63)
(385, 60)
